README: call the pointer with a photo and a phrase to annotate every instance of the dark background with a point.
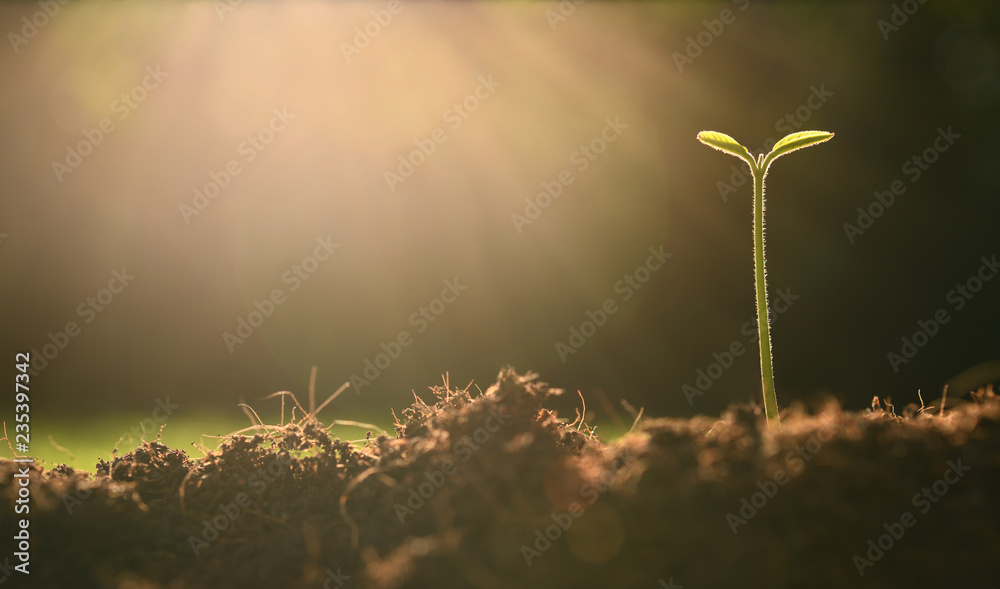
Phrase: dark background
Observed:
(325, 175)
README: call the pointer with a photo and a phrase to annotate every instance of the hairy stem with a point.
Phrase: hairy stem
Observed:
(763, 323)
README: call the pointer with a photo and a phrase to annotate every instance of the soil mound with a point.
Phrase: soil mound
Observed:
(492, 490)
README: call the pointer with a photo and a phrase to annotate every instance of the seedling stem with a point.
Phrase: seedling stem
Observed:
(758, 168)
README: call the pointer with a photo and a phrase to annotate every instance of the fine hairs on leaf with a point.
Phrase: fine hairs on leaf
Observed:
(758, 169)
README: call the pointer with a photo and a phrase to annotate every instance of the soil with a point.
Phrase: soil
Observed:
(493, 490)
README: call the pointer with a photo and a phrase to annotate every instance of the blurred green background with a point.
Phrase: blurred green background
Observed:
(414, 141)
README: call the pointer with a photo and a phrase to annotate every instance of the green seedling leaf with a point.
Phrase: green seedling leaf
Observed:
(794, 141)
(725, 143)
(758, 168)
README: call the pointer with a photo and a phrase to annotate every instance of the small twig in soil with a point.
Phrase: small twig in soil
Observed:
(630, 409)
(312, 390)
(246, 409)
(352, 423)
(922, 406)
(8, 440)
(290, 394)
(114, 449)
(342, 388)
(201, 447)
(246, 429)
(579, 416)
(59, 448)
(637, 418)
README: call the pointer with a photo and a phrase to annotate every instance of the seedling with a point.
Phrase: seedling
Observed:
(758, 168)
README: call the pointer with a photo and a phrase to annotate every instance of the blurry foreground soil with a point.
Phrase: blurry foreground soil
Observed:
(493, 491)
